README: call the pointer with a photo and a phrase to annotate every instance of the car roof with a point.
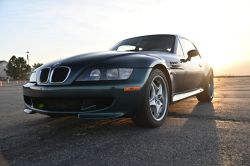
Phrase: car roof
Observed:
(152, 35)
(177, 36)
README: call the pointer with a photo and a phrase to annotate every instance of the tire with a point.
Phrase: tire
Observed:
(155, 103)
(208, 94)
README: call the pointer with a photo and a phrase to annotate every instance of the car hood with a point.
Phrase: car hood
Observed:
(88, 59)
(108, 59)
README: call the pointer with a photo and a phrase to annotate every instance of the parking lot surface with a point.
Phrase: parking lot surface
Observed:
(195, 133)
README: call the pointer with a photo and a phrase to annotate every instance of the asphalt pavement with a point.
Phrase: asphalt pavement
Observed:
(195, 133)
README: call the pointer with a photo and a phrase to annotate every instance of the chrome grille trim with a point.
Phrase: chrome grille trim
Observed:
(44, 74)
(39, 76)
(51, 71)
(50, 78)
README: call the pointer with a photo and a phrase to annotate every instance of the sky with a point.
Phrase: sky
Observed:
(54, 29)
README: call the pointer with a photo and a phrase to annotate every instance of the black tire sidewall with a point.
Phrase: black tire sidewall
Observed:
(145, 112)
(211, 75)
(205, 96)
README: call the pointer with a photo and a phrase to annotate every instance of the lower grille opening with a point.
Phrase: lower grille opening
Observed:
(69, 104)
(63, 104)
(27, 100)
(91, 104)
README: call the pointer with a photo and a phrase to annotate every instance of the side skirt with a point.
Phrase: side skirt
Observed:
(181, 96)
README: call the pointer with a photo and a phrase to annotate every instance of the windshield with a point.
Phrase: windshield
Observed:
(146, 43)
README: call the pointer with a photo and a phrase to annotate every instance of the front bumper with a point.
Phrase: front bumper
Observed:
(100, 99)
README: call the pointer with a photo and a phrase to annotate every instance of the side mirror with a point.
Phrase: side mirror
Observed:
(193, 53)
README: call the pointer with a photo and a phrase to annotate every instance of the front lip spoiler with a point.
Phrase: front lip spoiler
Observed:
(49, 112)
(99, 115)
(81, 115)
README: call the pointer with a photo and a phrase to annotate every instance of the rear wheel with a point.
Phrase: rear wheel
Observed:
(208, 94)
(155, 103)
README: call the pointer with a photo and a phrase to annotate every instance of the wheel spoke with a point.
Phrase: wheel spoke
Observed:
(153, 111)
(152, 103)
(159, 89)
(155, 87)
(152, 96)
(161, 99)
(161, 109)
(158, 106)
(156, 114)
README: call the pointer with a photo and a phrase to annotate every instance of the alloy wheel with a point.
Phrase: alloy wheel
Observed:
(158, 99)
(211, 85)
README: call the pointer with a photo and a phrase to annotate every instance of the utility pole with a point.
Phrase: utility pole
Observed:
(28, 57)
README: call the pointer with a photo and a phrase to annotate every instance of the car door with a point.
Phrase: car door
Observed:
(177, 70)
(193, 68)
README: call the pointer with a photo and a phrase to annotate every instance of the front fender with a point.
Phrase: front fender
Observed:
(139, 61)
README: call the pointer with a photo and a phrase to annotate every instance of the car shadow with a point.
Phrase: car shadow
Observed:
(199, 140)
(180, 141)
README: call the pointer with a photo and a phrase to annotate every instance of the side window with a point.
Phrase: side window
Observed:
(198, 56)
(179, 49)
(125, 48)
(187, 46)
(193, 48)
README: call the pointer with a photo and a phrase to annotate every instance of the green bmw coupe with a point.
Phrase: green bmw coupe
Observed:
(137, 78)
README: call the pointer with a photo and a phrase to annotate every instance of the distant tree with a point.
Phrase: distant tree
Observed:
(36, 65)
(17, 68)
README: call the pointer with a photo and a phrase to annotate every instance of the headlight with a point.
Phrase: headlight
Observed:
(124, 73)
(95, 74)
(112, 74)
(105, 74)
(33, 76)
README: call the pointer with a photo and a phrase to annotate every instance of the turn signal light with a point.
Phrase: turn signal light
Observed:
(132, 88)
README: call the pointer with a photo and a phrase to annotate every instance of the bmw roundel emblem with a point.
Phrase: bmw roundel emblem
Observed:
(56, 64)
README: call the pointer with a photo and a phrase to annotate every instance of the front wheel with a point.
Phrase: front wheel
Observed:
(155, 103)
(208, 94)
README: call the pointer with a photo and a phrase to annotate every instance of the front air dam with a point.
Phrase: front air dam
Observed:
(99, 115)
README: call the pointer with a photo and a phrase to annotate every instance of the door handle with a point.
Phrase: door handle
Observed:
(200, 65)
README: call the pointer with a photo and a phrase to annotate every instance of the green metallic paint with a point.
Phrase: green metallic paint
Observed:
(127, 103)
(110, 59)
